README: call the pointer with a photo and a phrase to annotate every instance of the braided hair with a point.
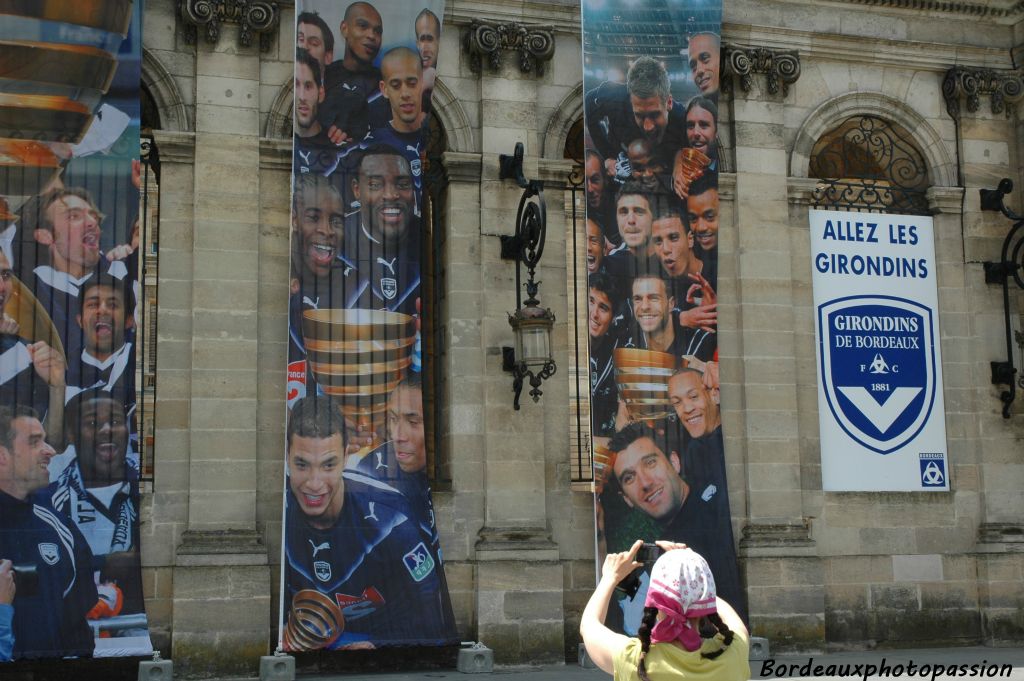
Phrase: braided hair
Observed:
(650, 618)
(725, 631)
(647, 623)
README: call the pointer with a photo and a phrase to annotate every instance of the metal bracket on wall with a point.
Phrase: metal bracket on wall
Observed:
(1009, 267)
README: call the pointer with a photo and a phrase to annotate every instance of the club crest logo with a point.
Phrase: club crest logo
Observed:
(322, 570)
(49, 552)
(389, 287)
(878, 368)
(933, 469)
(418, 562)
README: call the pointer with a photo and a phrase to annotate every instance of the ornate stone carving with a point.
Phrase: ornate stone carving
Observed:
(1004, 88)
(252, 16)
(782, 67)
(487, 39)
(993, 10)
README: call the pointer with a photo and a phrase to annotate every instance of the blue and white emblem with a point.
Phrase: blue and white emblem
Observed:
(933, 469)
(49, 552)
(878, 368)
(322, 570)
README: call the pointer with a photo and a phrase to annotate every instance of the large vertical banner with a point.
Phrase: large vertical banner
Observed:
(70, 575)
(651, 81)
(880, 407)
(361, 556)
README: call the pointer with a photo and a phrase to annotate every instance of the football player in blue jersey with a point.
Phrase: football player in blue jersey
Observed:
(322, 278)
(352, 538)
(402, 461)
(362, 31)
(402, 85)
(383, 239)
(50, 618)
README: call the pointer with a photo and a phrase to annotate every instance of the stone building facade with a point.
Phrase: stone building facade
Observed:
(822, 570)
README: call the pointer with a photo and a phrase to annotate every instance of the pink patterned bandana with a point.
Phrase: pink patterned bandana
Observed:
(682, 587)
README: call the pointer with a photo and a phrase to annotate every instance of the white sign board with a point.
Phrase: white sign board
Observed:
(880, 407)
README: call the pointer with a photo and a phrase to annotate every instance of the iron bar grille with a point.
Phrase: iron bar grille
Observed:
(869, 164)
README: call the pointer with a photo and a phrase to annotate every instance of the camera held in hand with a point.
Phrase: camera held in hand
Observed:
(647, 554)
(26, 579)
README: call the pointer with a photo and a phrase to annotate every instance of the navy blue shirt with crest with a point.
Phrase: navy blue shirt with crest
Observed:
(50, 620)
(374, 563)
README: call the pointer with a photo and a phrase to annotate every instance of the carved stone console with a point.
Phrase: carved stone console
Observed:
(1004, 88)
(780, 67)
(486, 40)
(252, 16)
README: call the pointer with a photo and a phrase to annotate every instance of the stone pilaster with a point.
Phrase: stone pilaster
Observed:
(777, 554)
(519, 579)
(222, 580)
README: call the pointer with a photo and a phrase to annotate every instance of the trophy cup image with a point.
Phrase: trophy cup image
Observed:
(642, 379)
(315, 621)
(694, 163)
(54, 77)
(604, 461)
(359, 357)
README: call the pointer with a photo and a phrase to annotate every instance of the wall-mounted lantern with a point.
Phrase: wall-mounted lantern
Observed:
(531, 357)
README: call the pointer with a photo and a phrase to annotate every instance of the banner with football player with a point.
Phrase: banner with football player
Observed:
(361, 555)
(70, 573)
(651, 83)
(881, 412)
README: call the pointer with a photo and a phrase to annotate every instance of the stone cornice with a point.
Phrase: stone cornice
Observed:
(1004, 88)
(463, 166)
(275, 153)
(1005, 10)
(780, 67)
(945, 199)
(922, 56)
(175, 147)
(554, 173)
(561, 16)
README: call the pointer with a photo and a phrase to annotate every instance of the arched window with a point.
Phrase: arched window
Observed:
(576, 263)
(869, 164)
(434, 221)
(574, 143)
(148, 276)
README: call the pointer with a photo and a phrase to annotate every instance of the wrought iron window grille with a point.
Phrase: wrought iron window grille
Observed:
(868, 164)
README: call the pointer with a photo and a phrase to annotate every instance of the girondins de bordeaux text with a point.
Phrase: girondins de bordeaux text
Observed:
(868, 670)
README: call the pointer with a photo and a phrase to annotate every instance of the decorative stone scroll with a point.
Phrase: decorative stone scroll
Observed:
(781, 67)
(252, 16)
(1004, 88)
(487, 39)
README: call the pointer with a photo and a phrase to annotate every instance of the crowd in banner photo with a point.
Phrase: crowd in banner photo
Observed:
(362, 555)
(70, 575)
(651, 171)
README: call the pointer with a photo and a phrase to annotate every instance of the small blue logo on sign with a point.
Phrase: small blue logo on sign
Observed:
(418, 562)
(933, 470)
(878, 368)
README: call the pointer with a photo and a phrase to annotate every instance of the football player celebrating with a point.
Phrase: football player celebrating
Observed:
(352, 538)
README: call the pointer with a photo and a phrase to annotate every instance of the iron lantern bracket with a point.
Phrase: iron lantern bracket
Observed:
(1009, 267)
(526, 247)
